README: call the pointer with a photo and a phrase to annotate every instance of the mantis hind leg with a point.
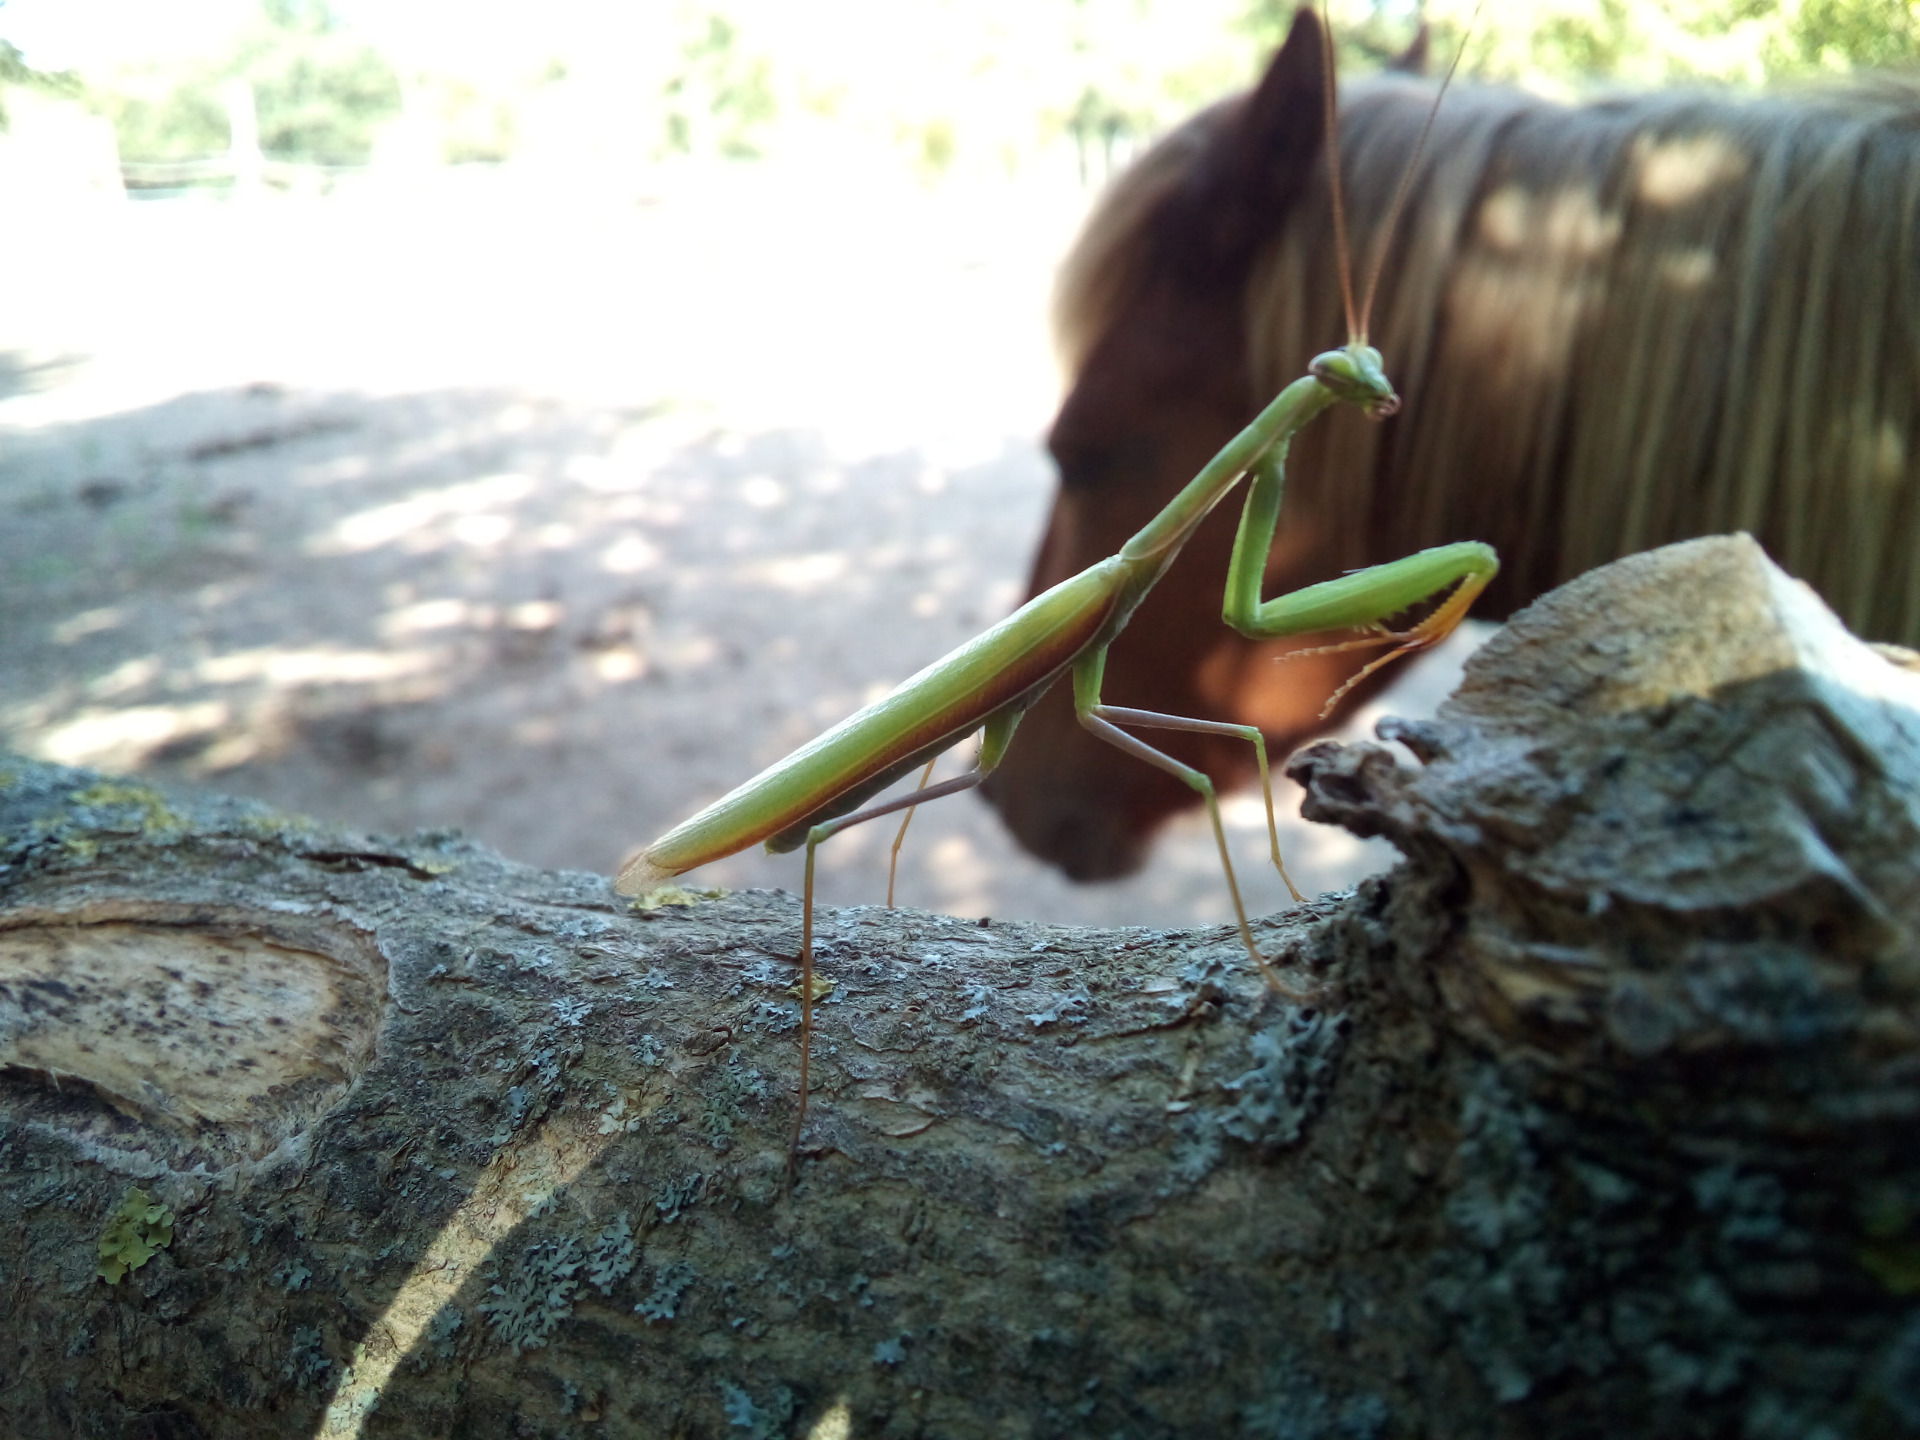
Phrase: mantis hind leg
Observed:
(1100, 720)
(1154, 720)
(893, 855)
(995, 735)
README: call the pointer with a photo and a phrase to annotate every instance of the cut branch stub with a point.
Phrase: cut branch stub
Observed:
(203, 1033)
(1685, 801)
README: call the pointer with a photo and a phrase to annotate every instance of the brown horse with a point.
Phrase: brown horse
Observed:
(1613, 325)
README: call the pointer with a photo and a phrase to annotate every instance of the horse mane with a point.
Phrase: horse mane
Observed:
(1621, 323)
(1672, 315)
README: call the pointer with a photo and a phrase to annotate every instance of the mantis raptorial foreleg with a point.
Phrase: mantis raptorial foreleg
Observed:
(1362, 600)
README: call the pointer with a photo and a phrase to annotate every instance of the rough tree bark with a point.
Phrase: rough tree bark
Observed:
(1596, 1116)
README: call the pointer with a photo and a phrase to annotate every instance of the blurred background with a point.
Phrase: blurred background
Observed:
(536, 419)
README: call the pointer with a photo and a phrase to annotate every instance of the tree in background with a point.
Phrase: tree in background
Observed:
(1568, 45)
(986, 86)
(720, 100)
(14, 70)
(320, 93)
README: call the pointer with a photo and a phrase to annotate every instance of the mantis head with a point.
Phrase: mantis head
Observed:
(1357, 376)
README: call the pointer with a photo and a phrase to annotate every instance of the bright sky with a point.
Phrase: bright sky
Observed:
(90, 34)
(875, 37)
(102, 34)
(891, 51)
(999, 72)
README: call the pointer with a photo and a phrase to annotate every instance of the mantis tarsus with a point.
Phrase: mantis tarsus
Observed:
(988, 683)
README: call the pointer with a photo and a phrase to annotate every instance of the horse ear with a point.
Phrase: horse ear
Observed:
(1413, 59)
(1284, 124)
(1291, 89)
(1258, 164)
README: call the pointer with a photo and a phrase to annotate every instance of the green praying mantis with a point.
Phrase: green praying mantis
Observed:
(987, 684)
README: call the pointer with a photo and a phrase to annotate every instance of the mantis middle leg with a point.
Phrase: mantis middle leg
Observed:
(1104, 721)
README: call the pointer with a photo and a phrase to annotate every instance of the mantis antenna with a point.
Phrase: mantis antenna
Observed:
(1357, 327)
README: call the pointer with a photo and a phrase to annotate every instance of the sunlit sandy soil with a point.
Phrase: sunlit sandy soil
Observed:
(488, 506)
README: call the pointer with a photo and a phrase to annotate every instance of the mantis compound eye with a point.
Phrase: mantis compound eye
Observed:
(1355, 375)
(1334, 370)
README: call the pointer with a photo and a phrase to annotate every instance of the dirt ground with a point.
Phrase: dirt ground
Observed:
(544, 517)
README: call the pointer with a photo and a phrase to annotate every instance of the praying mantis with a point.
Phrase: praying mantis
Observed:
(987, 684)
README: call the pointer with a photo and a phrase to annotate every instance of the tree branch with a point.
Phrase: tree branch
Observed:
(1598, 1119)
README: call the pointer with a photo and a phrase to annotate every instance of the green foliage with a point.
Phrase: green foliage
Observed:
(176, 123)
(136, 1230)
(948, 88)
(721, 100)
(1579, 47)
(314, 17)
(14, 70)
(320, 95)
(476, 126)
(1843, 34)
(1565, 43)
(1568, 44)
(1364, 38)
(1894, 1263)
(322, 102)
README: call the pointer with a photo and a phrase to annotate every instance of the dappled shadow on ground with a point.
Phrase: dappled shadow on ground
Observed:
(562, 627)
(24, 372)
(445, 571)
